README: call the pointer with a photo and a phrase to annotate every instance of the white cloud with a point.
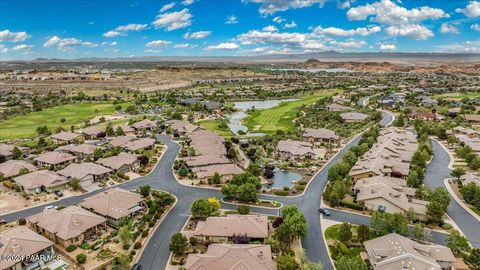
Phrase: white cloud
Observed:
(197, 35)
(158, 43)
(475, 27)
(231, 19)
(278, 51)
(291, 25)
(3, 49)
(167, 7)
(334, 31)
(114, 43)
(449, 28)
(415, 31)
(187, 2)
(387, 47)
(111, 34)
(22, 47)
(260, 49)
(389, 13)
(184, 46)
(261, 37)
(349, 44)
(67, 44)
(269, 7)
(52, 41)
(6, 35)
(173, 20)
(314, 45)
(344, 4)
(223, 46)
(131, 27)
(270, 28)
(278, 19)
(472, 10)
(462, 47)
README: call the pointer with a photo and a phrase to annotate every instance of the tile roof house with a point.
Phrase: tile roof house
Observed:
(316, 135)
(81, 150)
(233, 256)
(182, 127)
(123, 162)
(114, 204)
(6, 149)
(139, 144)
(69, 226)
(38, 181)
(375, 182)
(91, 132)
(472, 118)
(55, 160)
(87, 172)
(205, 160)
(145, 124)
(226, 171)
(21, 241)
(13, 168)
(338, 108)
(120, 141)
(394, 251)
(66, 137)
(127, 130)
(298, 150)
(353, 117)
(219, 229)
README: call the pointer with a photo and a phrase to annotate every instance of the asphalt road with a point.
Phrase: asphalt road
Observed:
(437, 170)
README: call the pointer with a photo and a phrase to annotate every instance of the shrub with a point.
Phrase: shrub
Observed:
(151, 223)
(447, 226)
(281, 193)
(243, 209)
(84, 245)
(22, 221)
(133, 252)
(145, 233)
(9, 184)
(71, 248)
(81, 258)
(137, 245)
(343, 248)
(352, 205)
(193, 241)
(301, 183)
(126, 246)
(286, 188)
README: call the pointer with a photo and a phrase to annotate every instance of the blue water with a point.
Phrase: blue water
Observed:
(283, 179)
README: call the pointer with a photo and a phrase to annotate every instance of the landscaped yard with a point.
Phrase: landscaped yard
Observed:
(280, 117)
(213, 125)
(458, 96)
(25, 125)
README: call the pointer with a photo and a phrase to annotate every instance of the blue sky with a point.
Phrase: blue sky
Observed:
(93, 28)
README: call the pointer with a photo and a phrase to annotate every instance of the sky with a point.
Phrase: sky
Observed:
(69, 29)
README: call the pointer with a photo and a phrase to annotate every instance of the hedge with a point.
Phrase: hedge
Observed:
(281, 193)
(9, 184)
(71, 248)
(352, 205)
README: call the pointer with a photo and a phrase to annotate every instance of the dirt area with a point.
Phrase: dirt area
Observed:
(12, 201)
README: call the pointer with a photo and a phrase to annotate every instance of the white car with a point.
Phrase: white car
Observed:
(48, 207)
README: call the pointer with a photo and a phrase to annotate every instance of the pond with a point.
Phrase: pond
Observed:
(235, 119)
(282, 179)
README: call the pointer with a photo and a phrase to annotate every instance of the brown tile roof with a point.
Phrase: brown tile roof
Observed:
(222, 169)
(67, 223)
(182, 126)
(394, 251)
(338, 108)
(233, 257)
(82, 170)
(320, 133)
(145, 123)
(6, 149)
(139, 144)
(93, 130)
(65, 136)
(114, 203)
(299, 148)
(54, 157)
(376, 182)
(118, 161)
(353, 116)
(38, 179)
(254, 226)
(86, 149)
(121, 140)
(125, 128)
(203, 160)
(12, 167)
(20, 241)
(472, 117)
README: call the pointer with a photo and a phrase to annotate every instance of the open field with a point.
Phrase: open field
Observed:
(280, 117)
(25, 125)
(212, 125)
(458, 96)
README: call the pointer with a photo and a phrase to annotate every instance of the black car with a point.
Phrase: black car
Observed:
(137, 267)
(58, 193)
(323, 211)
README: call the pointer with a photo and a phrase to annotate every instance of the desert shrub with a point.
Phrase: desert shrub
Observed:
(281, 193)
(126, 246)
(71, 248)
(81, 258)
(137, 245)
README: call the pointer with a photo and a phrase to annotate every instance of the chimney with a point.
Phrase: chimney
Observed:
(76, 222)
(260, 255)
(16, 248)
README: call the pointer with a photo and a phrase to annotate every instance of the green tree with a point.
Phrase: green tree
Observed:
(435, 212)
(339, 188)
(216, 178)
(144, 190)
(475, 163)
(243, 209)
(411, 215)
(201, 208)
(125, 234)
(119, 131)
(350, 263)
(183, 171)
(74, 183)
(285, 262)
(345, 232)
(109, 130)
(457, 172)
(122, 261)
(16, 153)
(385, 223)
(178, 243)
(473, 259)
(334, 199)
(418, 231)
(363, 233)
(457, 243)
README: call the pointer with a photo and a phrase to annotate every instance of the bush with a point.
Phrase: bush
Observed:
(151, 223)
(22, 221)
(84, 245)
(9, 184)
(81, 258)
(71, 248)
(447, 226)
(343, 248)
(137, 245)
(126, 246)
(285, 188)
(352, 205)
(243, 209)
(281, 193)
(301, 183)
(145, 233)
(133, 252)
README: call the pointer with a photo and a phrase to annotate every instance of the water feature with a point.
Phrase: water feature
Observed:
(282, 178)
(235, 119)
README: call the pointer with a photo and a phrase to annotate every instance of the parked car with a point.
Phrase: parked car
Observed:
(3, 222)
(137, 267)
(48, 208)
(58, 193)
(324, 211)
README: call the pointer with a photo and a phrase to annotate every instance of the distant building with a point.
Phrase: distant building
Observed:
(13, 168)
(318, 135)
(220, 229)
(65, 137)
(353, 117)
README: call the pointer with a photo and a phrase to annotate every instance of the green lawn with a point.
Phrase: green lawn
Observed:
(280, 117)
(212, 125)
(25, 125)
(458, 96)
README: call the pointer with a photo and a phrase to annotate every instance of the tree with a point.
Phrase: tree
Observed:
(269, 171)
(413, 179)
(345, 232)
(418, 231)
(144, 190)
(81, 258)
(294, 223)
(286, 262)
(385, 223)
(119, 131)
(125, 234)
(201, 208)
(305, 264)
(122, 261)
(473, 259)
(243, 209)
(350, 263)
(458, 172)
(339, 188)
(411, 215)
(475, 163)
(183, 171)
(74, 183)
(178, 243)
(363, 233)
(215, 203)
(435, 212)
(334, 199)
(216, 178)
(457, 243)
(109, 130)
(16, 153)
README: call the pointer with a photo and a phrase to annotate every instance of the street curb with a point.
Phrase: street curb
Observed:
(326, 244)
(459, 201)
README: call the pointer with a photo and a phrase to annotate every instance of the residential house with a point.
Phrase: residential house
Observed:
(472, 118)
(394, 251)
(298, 151)
(114, 204)
(70, 226)
(318, 135)
(13, 168)
(123, 162)
(353, 117)
(87, 172)
(338, 108)
(54, 160)
(120, 141)
(226, 171)
(66, 137)
(426, 116)
(470, 178)
(91, 132)
(139, 144)
(39, 181)
(232, 256)
(144, 125)
(182, 127)
(127, 130)
(205, 160)
(428, 102)
(377, 182)
(81, 150)
(7, 149)
(21, 242)
(221, 229)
